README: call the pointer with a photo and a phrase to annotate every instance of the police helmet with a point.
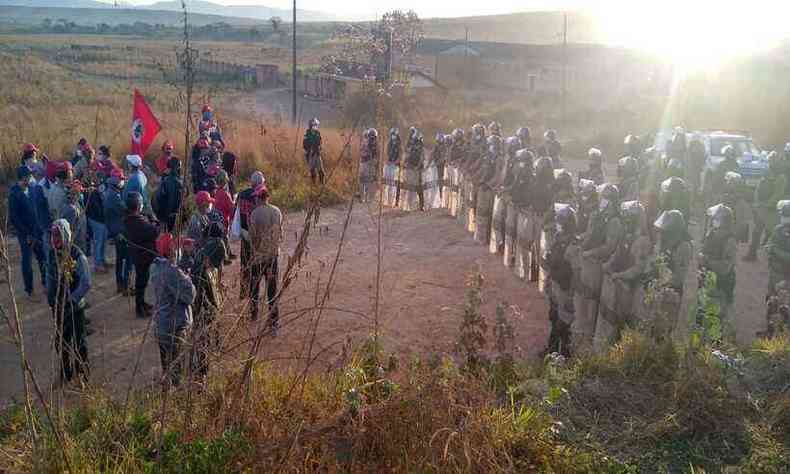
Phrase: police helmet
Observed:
(523, 134)
(671, 222)
(627, 167)
(595, 155)
(721, 217)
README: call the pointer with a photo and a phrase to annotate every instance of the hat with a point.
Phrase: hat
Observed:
(117, 173)
(29, 147)
(134, 160)
(166, 243)
(206, 108)
(261, 191)
(202, 143)
(202, 198)
(257, 178)
(51, 170)
(23, 172)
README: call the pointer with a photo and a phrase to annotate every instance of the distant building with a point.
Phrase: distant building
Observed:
(588, 69)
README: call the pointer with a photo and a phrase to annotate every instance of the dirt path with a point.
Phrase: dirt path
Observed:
(426, 258)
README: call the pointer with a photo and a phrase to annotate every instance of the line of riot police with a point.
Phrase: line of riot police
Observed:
(618, 252)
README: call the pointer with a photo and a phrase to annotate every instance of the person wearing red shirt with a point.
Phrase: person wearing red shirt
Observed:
(161, 162)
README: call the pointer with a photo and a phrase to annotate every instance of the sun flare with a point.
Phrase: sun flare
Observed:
(694, 35)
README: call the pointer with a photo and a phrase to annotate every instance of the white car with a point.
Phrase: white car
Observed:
(752, 162)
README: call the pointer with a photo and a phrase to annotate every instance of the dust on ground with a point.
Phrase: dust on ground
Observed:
(426, 258)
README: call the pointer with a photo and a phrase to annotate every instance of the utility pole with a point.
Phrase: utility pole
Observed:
(465, 78)
(564, 69)
(293, 68)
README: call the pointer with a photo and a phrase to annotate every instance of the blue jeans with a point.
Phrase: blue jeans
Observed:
(27, 249)
(99, 241)
(123, 264)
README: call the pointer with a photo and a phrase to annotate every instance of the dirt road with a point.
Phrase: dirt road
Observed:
(426, 258)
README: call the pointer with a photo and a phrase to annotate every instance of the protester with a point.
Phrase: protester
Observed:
(68, 282)
(56, 197)
(225, 205)
(83, 166)
(170, 195)
(245, 204)
(229, 166)
(201, 160)
(199, 221)
(137, 181)
(174, 295)
(75, 215)
(30, 155)
(206, 270)
(141, 234)
(22, 216)
(162, 163)
(266, 233)
(114, 215)
(94, 211)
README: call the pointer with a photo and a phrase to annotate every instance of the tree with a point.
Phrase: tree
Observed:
(46, 23)
(363, 44)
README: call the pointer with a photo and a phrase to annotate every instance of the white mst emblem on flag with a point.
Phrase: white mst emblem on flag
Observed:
(137, 130)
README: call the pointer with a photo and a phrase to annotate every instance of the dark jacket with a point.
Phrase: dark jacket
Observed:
(141, 234)
(114, 212)
(41, 206)
(170, 195)
(22, 212)
(94, 208)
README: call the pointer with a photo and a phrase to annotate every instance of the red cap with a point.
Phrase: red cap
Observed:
(202, 143)
(66, 166)
(261, 191)
(117, 173)
(164, 244)
(206, 108)
(29, 147)
(202, 198)
(51, 170)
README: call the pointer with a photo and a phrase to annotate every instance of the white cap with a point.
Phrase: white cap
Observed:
(134, 160)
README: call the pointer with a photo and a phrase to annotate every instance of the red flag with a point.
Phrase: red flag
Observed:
(145, 127)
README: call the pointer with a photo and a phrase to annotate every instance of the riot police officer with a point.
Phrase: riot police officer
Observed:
(715, 179)
(524, 137)
(504, 176)
(541, 202)
(594, 170)
(599, 244)
(476, 153)
(779, 269)
(552, 148)
(674, 246)
(734, 198)
(696, 162)
(559, 289)
(520, 192)
(675, 194)
(770, 190)
(623, 274)
(587, 204)
(719, 251)
(485, 178)
(628, 174)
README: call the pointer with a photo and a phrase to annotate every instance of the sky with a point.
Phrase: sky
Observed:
(694, 32)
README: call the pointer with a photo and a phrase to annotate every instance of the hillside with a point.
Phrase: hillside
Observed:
(26, 16)
(527, 27)
(257, 12)
(202, 7)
